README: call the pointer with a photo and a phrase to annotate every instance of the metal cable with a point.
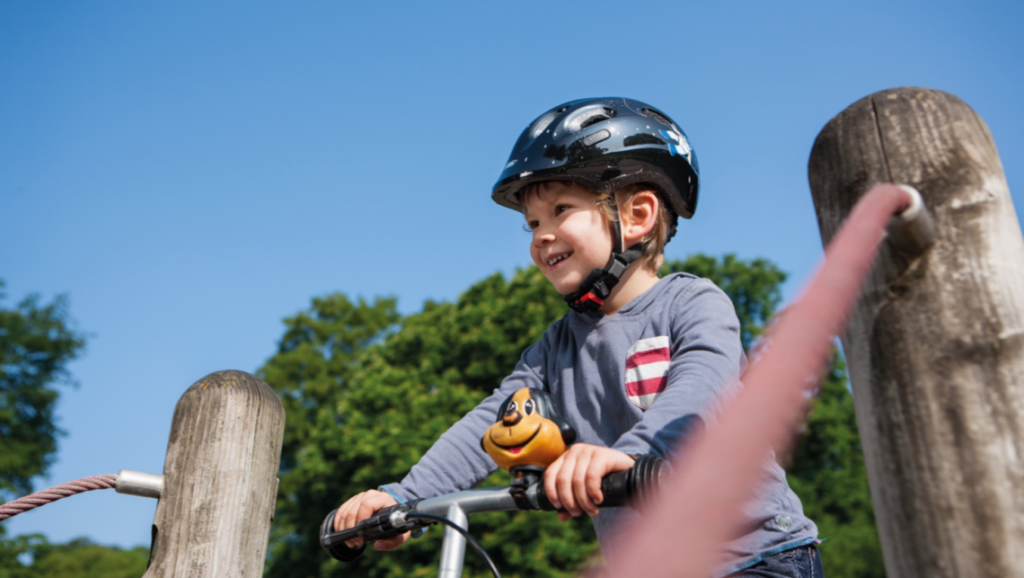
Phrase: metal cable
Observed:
(32, 501)
(472, 541)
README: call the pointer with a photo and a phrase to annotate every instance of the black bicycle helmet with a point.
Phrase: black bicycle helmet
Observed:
(604, 144)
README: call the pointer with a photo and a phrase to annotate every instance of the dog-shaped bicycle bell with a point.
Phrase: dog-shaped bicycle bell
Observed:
(528, 435)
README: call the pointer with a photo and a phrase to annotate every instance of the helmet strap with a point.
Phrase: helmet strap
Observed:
(598, 285)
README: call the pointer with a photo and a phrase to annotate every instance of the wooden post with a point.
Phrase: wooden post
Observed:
(220, 480)
(934, 345)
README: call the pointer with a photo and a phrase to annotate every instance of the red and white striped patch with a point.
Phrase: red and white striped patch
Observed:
(646, 368)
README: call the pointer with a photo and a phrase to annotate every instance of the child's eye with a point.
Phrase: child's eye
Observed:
(561, 209)
(529, 226)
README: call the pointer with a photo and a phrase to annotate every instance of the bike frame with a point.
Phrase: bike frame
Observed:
(457, 507)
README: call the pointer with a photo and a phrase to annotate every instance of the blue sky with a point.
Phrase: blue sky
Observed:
(191, 173)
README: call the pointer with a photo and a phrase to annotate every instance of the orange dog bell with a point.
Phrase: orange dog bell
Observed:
(528, 432)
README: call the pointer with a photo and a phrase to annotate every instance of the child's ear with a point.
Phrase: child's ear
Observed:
(639, 216)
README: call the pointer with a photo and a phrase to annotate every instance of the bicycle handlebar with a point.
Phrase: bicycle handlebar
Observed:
(623, 488)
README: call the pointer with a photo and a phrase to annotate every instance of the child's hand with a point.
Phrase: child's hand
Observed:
(573, 481)
(360, 507)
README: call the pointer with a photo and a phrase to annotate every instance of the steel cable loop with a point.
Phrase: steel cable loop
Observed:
(32, 501)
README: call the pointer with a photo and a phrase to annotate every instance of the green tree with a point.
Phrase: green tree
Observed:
(13, 550)
(79, 558)
(36, 343)
(314, 363)
(364, 417)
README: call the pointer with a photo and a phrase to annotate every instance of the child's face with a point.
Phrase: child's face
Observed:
(571, 237)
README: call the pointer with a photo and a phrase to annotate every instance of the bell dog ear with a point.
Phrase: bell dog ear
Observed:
(546, 408)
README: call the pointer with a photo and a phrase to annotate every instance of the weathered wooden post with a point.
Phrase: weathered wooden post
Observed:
(934, 345)
(220, 480)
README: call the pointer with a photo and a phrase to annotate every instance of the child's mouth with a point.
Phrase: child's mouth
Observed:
(556, 259)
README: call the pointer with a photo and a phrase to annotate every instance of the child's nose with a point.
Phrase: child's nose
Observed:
(543, 236)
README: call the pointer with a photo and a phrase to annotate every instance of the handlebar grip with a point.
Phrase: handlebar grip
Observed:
(616, 490)
(377, 527)
(334, 542)
(629, 487)
(638, 485)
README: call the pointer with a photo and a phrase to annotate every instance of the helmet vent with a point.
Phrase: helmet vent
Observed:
(641, 139)
(594, 119)
(589, 116)
(542, 123)
(651, 113)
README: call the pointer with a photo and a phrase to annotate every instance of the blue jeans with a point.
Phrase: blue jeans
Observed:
(802, 562)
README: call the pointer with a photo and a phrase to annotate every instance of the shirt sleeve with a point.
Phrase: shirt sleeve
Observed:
(707, 358)
(457, 460)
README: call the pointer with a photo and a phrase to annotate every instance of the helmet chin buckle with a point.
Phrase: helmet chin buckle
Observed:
(590, 301)
(599, 283)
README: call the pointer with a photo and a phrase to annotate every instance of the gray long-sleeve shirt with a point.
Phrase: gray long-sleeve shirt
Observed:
(635, 382)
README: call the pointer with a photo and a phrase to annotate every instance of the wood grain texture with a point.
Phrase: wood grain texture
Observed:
(220, 480)
(934, 344)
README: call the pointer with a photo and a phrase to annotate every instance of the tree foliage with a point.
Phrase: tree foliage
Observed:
(79, 558)
(36, 343)
(367, 392)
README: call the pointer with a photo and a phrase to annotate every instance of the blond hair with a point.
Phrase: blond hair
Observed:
(653, 242)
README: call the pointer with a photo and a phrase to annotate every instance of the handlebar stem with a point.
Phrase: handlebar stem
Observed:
(453, 547)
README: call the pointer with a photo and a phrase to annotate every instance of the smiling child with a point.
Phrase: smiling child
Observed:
(639, 361)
